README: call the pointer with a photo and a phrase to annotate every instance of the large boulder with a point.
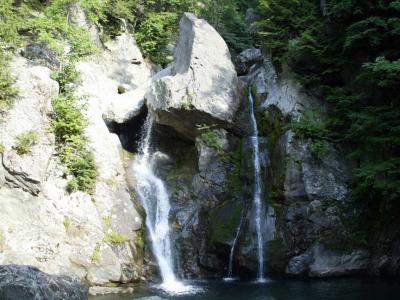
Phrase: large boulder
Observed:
(200, 87)
(29, 283)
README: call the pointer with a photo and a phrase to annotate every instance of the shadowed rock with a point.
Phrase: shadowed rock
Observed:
(29, 283)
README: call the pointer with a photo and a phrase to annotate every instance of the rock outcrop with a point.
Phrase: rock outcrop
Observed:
(40, 223)
(117, 79)
(200, 87)
(25, 282)
(246, 59)
(316, 219)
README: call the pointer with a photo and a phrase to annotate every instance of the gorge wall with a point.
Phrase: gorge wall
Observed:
(200, 107)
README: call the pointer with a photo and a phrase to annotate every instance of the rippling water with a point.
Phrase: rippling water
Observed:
(341, 289)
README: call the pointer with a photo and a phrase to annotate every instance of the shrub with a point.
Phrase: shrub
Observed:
(69, 125)
(311, 126)
(319, 149)
(210, 137)
(25, 142)
(155, 33)
(95, 257)
(7, 91)
(115, 238)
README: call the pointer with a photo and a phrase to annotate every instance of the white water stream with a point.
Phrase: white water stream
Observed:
(257, 189)
(233, 248)
(155, 200)
(257, 200)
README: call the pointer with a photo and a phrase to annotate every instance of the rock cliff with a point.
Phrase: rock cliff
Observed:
(95, 237)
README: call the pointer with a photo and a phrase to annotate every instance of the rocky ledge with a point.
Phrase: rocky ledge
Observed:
(29, 283)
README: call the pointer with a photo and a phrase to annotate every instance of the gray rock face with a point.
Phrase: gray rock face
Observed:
(201, 87)
(29, 113)
(40, 223)
(28, 283)
(41, 54)
(316, 217)
(246, 59)
(320, 262)
(114, 82)
(312, 192)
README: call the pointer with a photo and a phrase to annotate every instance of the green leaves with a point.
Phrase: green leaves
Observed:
(25, 142)
(351, 59)
(7, 91)
(155, 33)
(69, 125)
(228, 20)
(311, 126)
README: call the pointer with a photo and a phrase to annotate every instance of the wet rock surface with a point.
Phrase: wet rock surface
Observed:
(316, 217)
(29, 283)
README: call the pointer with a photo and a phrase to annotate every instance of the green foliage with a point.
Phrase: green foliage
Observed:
(310, 125)
(157, 22)
(227, 16)
(319, 149)
(155, 33)
(10, 24)
(115, 238)
(348, 57)
(67, 223)
(2, 148)
(283, 21)
(210, 137)
(187, 104)
(68, 125)
(55, 28)
(25, 142)
(95, 258)
(13, 20)
(7, 91)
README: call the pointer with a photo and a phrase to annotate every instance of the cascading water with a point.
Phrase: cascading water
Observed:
(257, 189)
(232, 253)
(155, 200)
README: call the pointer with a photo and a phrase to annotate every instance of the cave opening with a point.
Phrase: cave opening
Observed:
(129, 132)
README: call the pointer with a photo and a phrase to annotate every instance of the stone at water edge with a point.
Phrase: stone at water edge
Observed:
(29, 283)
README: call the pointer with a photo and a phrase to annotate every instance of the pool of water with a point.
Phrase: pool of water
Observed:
(334, 289)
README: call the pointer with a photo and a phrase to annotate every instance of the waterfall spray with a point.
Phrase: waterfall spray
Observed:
(155, 201)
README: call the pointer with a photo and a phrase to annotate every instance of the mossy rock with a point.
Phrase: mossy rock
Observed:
(276, 257)
(224, 221)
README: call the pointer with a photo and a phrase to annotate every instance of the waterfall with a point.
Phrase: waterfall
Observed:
(154, 198)
(257, 188)
(232, 253)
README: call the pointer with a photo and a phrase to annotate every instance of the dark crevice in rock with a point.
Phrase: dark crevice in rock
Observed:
(129, 132)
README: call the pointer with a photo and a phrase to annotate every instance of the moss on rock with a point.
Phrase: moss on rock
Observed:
(225, 220)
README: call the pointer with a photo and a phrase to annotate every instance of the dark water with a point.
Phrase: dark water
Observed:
(343, 289)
